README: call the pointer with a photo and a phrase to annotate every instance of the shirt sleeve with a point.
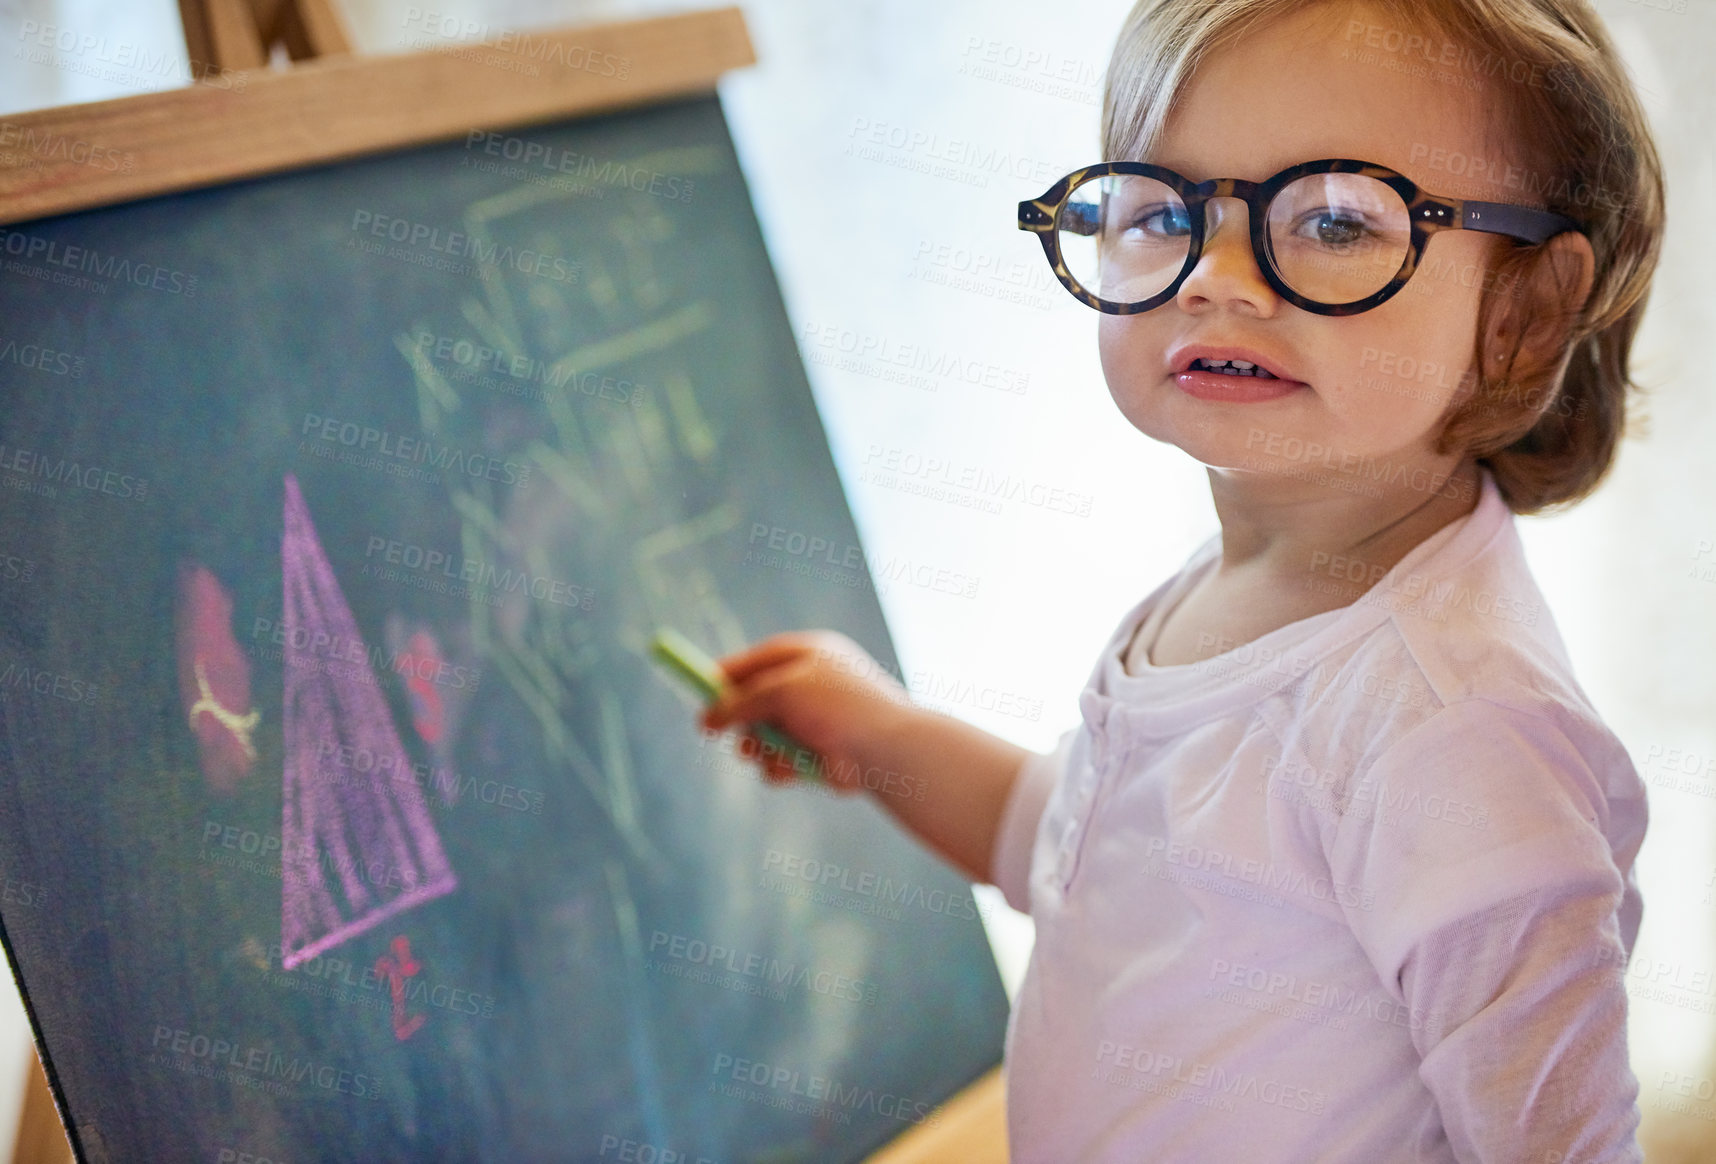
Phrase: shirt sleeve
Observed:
(1015, 837)
(1496, 927)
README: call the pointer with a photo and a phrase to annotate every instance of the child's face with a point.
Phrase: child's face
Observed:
(1373, 385)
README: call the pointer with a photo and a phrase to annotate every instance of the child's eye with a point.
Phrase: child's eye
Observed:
(1331, 227)
(1162, 219)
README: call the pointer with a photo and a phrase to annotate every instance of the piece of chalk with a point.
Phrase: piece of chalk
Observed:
(686, 660)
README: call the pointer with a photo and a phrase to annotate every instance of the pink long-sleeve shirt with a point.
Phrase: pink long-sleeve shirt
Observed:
(1358, 891)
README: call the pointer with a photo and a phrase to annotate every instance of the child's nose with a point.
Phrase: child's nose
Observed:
(1227, 269)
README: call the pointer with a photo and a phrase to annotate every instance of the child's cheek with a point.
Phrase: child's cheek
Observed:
(1132, 356)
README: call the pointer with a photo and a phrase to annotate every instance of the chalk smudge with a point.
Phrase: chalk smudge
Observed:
(214, 679)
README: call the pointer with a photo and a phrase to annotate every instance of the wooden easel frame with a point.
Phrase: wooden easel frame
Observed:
(235, 124)
(239, 34)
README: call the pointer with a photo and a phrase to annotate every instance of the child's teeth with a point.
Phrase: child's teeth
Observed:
(1236, 368)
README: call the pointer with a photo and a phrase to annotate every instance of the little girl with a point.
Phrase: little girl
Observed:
(1338, 865)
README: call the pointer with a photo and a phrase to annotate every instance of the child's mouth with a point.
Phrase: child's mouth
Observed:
(1231, 368)
(1233, 382)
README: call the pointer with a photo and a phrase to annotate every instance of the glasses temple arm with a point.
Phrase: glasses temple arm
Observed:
(1522, 222)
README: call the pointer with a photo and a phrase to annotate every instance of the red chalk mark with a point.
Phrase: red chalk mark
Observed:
(397, 967)
(423, 654)
(214, 679)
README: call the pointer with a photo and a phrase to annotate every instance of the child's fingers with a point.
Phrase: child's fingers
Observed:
(766, 653)
(780, 770)
(783, 771)
(764, 697)
(774, 768)
(787, 647)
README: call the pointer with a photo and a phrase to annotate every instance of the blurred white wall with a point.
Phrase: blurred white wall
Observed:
(886, 142)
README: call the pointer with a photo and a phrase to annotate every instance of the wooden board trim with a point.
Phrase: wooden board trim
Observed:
(248, 123)
(972, 1128)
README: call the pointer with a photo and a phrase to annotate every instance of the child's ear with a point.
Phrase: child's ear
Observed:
(1542, 297)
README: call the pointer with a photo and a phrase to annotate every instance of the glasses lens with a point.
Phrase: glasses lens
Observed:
(1124, 237)
(1339, 238)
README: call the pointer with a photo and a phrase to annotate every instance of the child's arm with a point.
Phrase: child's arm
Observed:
(943, 779)
(1505, 927)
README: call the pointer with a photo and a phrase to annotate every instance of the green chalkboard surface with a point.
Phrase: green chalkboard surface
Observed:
(343, 814)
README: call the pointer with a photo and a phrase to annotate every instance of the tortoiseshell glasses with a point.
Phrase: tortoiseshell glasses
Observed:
(1334, 237)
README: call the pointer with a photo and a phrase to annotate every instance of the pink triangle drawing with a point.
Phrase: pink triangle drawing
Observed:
(359, 849)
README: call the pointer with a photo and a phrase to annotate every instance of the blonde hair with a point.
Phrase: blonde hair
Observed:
(1547, 430)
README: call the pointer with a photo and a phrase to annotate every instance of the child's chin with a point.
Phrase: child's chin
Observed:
(1224, 450)
(1213, 441)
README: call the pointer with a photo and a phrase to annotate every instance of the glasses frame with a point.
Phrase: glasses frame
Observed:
(1428, 214)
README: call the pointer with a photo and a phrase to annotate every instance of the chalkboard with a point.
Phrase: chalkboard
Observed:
(344, 814)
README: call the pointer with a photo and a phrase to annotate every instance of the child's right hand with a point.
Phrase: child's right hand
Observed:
(942, 778)
(821, 688)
